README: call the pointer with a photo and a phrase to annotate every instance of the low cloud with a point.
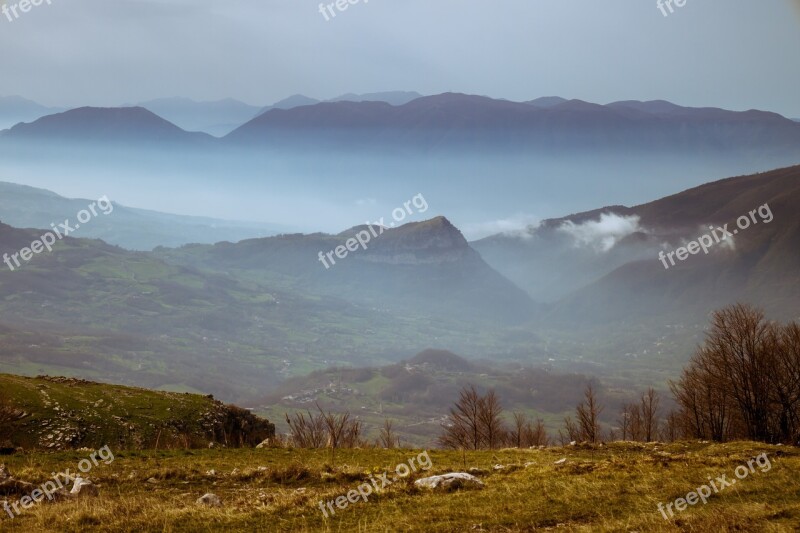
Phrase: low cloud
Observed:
(602, 235)
(516, 226)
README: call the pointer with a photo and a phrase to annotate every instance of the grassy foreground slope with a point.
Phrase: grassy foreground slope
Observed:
(56, 413)
(612, 488)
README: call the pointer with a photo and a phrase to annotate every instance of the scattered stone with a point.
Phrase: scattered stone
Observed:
(235, 472)
(506, 468)
(211, 473)
(530, 463)
(560, 462)
(153, 481)
(266, 443)
(84, 487)
(209, 500)
(262, 468)
(477, 471)
(450, 482)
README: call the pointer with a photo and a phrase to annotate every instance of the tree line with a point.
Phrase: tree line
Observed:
(742, 383)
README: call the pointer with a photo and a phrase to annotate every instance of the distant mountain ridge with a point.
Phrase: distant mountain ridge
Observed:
(216, 118)
(105, 125)
(135, 229)
(16, 109)
(458, 120)
(448, 121)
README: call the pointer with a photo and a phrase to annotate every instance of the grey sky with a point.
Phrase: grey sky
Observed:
(737, 54)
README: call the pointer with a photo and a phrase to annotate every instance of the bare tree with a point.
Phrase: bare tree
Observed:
(525, 434)
(520, 425)
(736, 351)
(490, 420)
(475, 422)
(785, 381)
(463, 429)
(538, 434)
(727, 389)
(744, 382)
(588, 415)
(671, 429)
(571, 432)
(626, 421)
(387, 438)
(649, 405)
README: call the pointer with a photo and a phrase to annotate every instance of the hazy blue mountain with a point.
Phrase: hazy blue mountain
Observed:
(547, 101)
(425, 268)
(391, 97)
(16, 109)
(232, 319)
(127, 125)
(603, 266)
(216, 118)
(135, 229)
(459, 121)
(654, 107)
(296, 100)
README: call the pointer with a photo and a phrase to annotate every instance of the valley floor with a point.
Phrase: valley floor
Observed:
(612, 488)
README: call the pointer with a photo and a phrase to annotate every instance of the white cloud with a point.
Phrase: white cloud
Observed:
(603, 234)
(517, 226)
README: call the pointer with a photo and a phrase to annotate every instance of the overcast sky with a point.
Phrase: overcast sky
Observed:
(738, 54)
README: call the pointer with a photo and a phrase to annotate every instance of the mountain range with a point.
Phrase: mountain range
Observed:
(232, 318)
(434, 123)
(450, 121)
(217, 118)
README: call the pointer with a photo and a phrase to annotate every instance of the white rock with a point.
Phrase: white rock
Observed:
(209, 500)
(561, 461)
(451, 481)
(83, 486)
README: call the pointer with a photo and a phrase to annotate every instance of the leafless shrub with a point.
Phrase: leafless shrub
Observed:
(387, 438)
(307, 430)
